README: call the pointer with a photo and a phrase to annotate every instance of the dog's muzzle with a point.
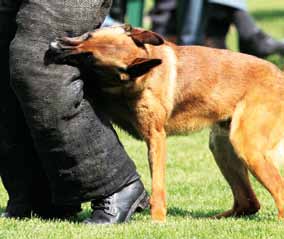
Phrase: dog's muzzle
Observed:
(56, 54)
(63, 48)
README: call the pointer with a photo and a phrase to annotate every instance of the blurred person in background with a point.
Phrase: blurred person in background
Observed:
(117, 13)
(207, 22)
(164, 18)
(212, 22)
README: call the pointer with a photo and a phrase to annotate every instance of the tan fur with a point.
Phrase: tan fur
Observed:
(192, 88)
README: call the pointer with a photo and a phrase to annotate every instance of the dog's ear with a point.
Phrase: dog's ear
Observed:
(141, 66)
(141, 37)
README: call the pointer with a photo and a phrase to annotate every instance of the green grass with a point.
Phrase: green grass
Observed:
(195, 187)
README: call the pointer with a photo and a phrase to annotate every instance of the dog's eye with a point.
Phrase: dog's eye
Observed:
(128, 28)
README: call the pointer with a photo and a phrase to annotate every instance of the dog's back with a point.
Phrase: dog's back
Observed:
(210, 82)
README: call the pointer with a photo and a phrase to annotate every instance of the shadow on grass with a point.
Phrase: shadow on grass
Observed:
(175, 211)
(179, 212)
(267, 14)
(82, 216)
(172, 211)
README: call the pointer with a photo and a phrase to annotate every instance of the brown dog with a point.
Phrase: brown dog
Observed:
(153, 88)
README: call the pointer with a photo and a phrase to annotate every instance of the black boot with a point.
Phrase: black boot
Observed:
(253, 40)
(262, 45)
(120, 206)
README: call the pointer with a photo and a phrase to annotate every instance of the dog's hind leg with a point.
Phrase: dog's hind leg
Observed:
(235, 172)
(255, 130)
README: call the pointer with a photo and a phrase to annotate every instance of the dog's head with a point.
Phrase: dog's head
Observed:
(120, 51)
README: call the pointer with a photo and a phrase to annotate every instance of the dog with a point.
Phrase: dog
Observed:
(152, 88)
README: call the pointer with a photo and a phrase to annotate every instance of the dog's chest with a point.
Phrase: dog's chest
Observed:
(118, 110)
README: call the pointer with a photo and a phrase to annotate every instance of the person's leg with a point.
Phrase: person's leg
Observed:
(13, 134)
(163, 17)
(78, 148)
(192, 22)
(20, 169)
(218, 21)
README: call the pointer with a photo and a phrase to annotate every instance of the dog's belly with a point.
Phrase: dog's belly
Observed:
(195, 112)
(185, 123)
(188, 117)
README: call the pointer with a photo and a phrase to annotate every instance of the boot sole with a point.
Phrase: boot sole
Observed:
(139, 205)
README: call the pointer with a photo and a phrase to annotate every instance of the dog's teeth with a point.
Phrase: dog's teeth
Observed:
(54, 44)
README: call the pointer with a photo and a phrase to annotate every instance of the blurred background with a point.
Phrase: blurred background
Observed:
(254, 27)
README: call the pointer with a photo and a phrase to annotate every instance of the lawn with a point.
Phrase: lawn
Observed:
(195, 187)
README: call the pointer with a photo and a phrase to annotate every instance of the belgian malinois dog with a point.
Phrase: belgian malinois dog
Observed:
(152, 88)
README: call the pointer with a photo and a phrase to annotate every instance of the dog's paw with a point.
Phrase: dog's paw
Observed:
(158, 214)
(281, 215)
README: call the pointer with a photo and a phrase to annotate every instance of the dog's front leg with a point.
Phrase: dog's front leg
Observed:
(157, 159)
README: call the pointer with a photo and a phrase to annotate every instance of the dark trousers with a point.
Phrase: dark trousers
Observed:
(164, 17)
(192, 22)
(54, 146)
(219, 19)
(184, 18)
